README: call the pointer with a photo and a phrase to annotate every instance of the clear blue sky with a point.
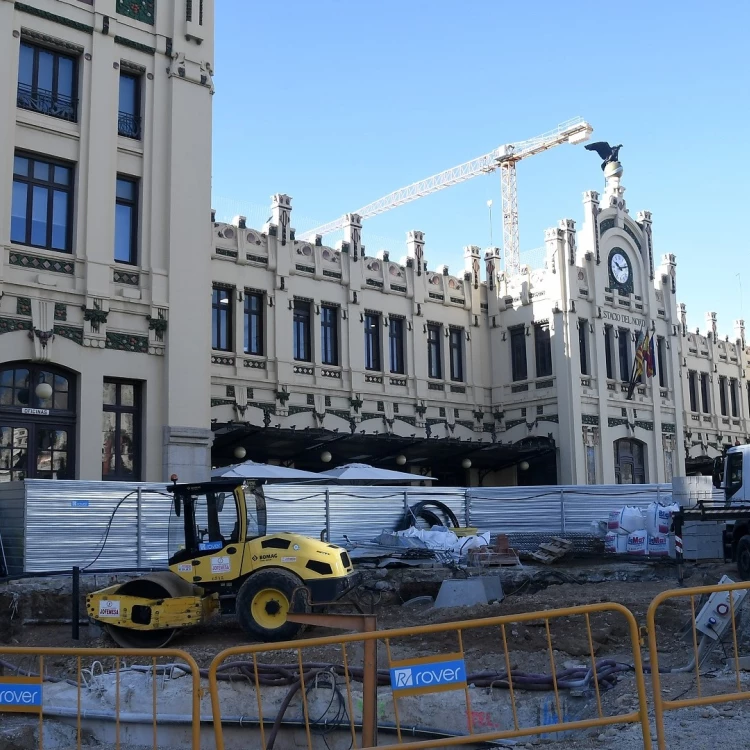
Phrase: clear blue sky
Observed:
(339, 102)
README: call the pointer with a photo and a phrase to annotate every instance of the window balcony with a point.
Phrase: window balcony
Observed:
(129, 126)
(47, 103)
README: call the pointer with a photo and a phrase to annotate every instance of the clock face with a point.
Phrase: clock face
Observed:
(620, 267)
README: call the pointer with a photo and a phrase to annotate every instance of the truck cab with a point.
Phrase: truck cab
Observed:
(729, 472)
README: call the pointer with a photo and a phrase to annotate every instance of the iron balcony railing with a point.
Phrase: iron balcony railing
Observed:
(47, 102)
(129, 126)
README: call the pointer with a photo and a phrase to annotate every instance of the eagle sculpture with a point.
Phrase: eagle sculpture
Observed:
(608, 153)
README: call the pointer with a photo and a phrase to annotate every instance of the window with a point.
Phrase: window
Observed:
(329, 334)
(254, 323)
(47, 82)
(42, 204)
(434, 363)
(705, 401)
(301, 334)
(221, 319)
(661, 357)
(723, 394)
(126, 221)
(396, 343)
(623, 340)
(129, 115)
(121, 430)
(457, 354)
(542, 350)
(733, 479)
(693, 389)
(518, 353)
(583, 345)
(733, 396)
(608, 335)
(372, 341)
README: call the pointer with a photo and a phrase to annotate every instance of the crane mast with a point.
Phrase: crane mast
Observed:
(504, 157)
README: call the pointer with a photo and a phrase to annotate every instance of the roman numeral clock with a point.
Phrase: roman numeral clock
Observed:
(620, 271)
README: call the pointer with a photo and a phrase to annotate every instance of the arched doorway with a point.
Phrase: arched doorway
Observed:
(630, 461)
(37, 422)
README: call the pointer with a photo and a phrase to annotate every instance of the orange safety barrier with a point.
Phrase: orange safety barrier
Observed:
(719, 620)
(330, 684)
(66, 692)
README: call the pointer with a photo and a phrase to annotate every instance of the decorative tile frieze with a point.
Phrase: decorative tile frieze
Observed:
(409, 420)
(331, 274)
(295, 409)
(71, 333)
(61, 311)
(41, 263)
(226, 253)
(398, 381)
(127, 342)
(257, 364)
(548, 418)
(260, 259)
(605, 225)
(331, 373)
(129, 278)
(302, 370)
(592, 419)
(23, 306)
(373, 379)
(510, 423)
(374, 283)
(519, 388)
(222, 402)
(62, 20)
(138, 10)
(219, 359)
(8, 325)
(616, 421)
(643, 424)
(540, 384)
(305, 269)
(435, 386)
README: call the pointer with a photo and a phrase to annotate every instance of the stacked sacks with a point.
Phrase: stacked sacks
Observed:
(621, 525)
(658, 525)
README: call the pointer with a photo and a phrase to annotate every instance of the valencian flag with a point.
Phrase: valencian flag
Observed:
(644, 360)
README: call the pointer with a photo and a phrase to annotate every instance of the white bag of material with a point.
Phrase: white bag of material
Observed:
(658, 546)
(637, 542)
(631, 519)
(610, 542)
(613, 524)
(659, 519)
(622, 544)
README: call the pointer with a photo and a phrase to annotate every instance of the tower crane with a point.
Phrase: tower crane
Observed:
(504, 157)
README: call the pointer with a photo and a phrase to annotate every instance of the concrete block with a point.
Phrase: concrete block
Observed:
(461, 593)
(493, 588)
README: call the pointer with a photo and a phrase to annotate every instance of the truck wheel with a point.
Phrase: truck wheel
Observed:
(743, 557)
(263, 602)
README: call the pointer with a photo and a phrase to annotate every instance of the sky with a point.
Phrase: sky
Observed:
(338, 102)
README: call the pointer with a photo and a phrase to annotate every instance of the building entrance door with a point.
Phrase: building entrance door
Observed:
(37, 423)
(630, 462)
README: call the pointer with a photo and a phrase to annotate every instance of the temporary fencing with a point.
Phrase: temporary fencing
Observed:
(338, 684)
(75, 685)
(716, 619)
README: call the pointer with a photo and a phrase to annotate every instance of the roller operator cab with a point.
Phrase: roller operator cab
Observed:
(229, 564)
(729, 474)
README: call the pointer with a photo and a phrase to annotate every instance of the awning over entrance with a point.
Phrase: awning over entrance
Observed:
(439, 457)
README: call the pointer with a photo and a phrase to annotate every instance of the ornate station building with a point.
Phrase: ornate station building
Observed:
(140, 337)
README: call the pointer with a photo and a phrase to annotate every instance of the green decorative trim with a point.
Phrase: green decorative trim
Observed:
(374, 283)
(40, 263)
(138, 10)
(61, 311)
(605, 225)
(267, 408)
(135, 45)
(589, 419)
(380, 406)
(398, 288)
(434, 420)
(478, 415)
(125, 277)
(441, 411)
(294, 409)
(70, 332)
(8, 325)
(668, 427)
(94, 315)
(498, 415)
(488, 427)
(282, 396)
(305, 269)
(327, 400)
(420, 409)
(356, 403)
(311, 399)
(548, 418)
(616, 421)
(465, 423)
(230, 391)
(341, 413)
(370, 415)
(632, 234)
(332, 274)
(158, 325)
(23, 306)
(409, 420)
(257, 259)
(226, 253)
(54, 17)
(127, 342)
(644, 425)
(513, 423)
(222, 402)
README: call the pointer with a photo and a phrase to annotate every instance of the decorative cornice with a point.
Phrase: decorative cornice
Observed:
(8, 325)
(41, 263)
(70, 332)
(135, 45)
(127, 342)
(30, 10)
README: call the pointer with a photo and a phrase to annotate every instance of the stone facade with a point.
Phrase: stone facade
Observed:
(98, 92)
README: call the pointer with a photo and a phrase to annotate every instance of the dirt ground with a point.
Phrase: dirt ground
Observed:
(532, 647)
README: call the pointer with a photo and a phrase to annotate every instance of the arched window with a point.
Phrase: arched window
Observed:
(630, 461)
(37, 422)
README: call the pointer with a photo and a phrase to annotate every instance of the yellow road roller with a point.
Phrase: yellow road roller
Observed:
(228, 565)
